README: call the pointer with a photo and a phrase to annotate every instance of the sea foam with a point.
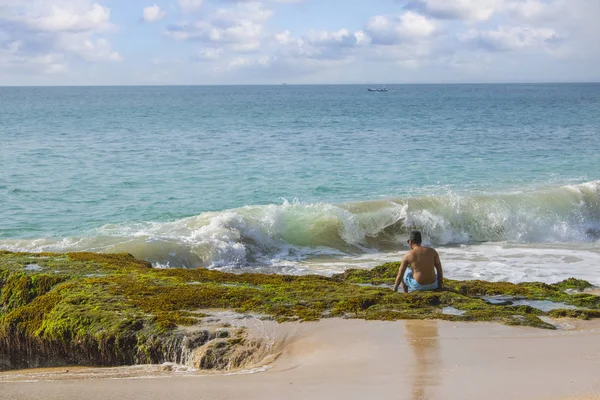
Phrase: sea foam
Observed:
(280, 237)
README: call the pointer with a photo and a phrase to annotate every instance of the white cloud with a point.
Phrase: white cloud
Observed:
(153, 13)
(66, 18)
(49, 36)
(238, 62)
(552, 11)
(514, 38)
(407, 37)
(425, 36)
(362, 38)
(243, 36)
(410, 63)
(322, 45)
(284, 38)
(237, 41)
(89, 49)
(190, 5)
(406, 27)
(209, 54)
(277, 69)
(239, 32)
(318, 45)
(466, 10)
(527, 9)
(341, 38)
(252, 11)
(50, 63)
(13, 59)
(240, 27)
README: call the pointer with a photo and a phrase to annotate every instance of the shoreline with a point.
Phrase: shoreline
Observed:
(354, 359)
(112, 309)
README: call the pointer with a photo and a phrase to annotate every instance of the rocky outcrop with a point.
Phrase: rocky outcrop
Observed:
(108, 310)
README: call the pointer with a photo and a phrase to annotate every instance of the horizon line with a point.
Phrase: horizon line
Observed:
(307, 84)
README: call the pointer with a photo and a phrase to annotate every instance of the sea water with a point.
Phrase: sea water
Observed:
(503, 179)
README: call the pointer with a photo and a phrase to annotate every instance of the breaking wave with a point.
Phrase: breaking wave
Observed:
(264, 235)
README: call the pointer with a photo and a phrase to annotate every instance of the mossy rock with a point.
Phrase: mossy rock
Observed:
(382, 274)
(111, 309)
(574, 284)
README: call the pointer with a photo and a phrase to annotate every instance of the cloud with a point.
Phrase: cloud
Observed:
(190, 5)
(258, 63)
(527, 9)
(406, 27)
(465, 36)
(208, 54)
(276, 68)
(514, 38)
(41, 37)
(65, 18)
(406, 37)
(341, 38)
(264, 1)
(15, 60)
(240, 27)
(561, 28)
(195, 5)
(553, 11)
(317, 45)
(89, 49)
(153, 13)
(240, 34)
(464, 10)
(244, 36)
(251, 11)
(246, 40)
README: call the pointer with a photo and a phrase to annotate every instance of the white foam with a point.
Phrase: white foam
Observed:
(306, 238)
(499, 262)
(512, 263)
(33, 267)
(250, 371)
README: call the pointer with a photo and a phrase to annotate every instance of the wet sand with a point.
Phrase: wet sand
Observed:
(414, 360)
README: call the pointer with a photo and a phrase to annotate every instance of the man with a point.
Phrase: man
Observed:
(422, 264)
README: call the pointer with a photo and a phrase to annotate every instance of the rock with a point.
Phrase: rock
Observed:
(111, 309)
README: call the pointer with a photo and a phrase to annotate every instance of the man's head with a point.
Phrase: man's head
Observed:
(415, 238)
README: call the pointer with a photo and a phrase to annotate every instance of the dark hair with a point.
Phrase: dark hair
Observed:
(415, 236)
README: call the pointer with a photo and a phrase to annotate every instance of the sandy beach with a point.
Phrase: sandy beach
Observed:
(358, 359)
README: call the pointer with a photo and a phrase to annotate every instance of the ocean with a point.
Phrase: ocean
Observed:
(504, 180)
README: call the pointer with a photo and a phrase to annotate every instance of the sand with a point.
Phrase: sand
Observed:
(366, 360)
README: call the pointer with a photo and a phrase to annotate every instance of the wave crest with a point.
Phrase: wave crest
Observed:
(264, 235)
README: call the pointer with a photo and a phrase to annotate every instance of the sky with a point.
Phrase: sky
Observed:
(198, 42)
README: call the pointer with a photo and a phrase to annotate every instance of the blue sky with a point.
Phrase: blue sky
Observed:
(137, 42)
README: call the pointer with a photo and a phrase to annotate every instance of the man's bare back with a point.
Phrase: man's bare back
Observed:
(425, 265)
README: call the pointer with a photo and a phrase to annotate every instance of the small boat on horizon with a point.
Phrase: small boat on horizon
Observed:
(383, 89)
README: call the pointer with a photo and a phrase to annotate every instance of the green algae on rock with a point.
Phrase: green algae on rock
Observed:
(569, 291)
(97, 309)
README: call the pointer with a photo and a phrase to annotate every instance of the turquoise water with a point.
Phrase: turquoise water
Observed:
(273, 176)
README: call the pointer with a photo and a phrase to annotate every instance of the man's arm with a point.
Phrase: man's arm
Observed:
(438, 267)
(400, 277)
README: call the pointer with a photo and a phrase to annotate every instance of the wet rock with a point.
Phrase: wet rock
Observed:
(222, 334)
(106, 310)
